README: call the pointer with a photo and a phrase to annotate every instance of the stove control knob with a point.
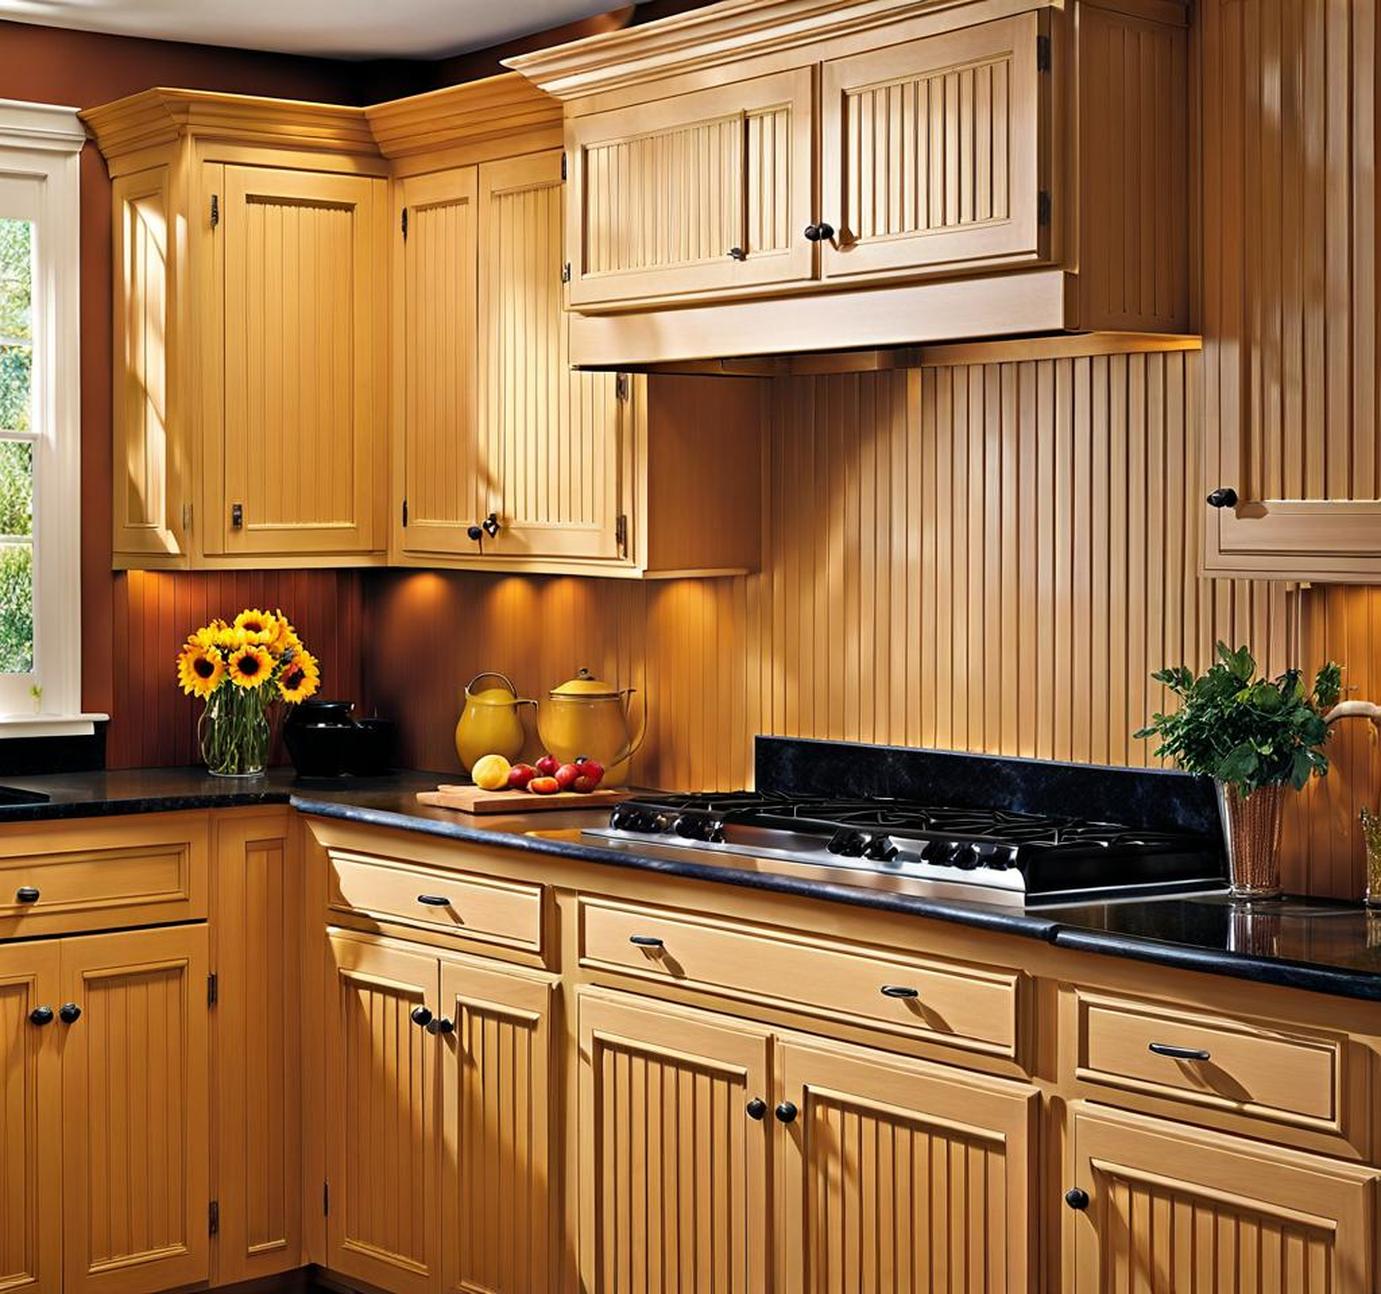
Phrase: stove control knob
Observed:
(628, 817)
(881, 849)
(698, 826)
(966, 857)
(848, 842)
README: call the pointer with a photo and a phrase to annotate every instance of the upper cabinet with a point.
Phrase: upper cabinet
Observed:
(741, 172)
(250, 397)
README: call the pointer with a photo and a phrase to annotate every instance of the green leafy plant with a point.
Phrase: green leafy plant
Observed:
(1246, 731)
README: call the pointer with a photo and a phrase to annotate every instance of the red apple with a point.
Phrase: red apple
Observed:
(591, 769)
(566, 775)
(548, 765)
(544, 786)
(519, 776)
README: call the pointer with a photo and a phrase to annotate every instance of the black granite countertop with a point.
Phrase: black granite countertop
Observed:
(1317, 945)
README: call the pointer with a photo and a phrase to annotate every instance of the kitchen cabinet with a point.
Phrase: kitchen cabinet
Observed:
(250, 417)
(984, 170)
(1155, 1205)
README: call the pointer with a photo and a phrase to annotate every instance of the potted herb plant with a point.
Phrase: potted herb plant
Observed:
(1258, 738)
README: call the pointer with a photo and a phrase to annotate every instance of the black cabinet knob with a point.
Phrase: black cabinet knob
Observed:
(1223, 497)
(756, 1108)
(899, 990)
(645, 941)
(420, 1016)
(490, 524)
(1076, 1198)
(26, 894)
(737, 254)
(41, 1015)
(820, 233)
(441, 1025)
(434, 900)
(786, 1112)
(475, 533)
(69, 1013)
(1178, 1053)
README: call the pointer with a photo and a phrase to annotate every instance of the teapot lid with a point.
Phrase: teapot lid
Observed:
(586, 686)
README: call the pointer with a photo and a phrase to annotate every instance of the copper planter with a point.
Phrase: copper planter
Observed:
(1251, 829)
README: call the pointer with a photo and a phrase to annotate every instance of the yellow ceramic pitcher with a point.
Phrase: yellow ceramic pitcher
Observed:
(491, 722)
(586, 717)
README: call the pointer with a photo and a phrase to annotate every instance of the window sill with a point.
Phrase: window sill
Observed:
(49, 725)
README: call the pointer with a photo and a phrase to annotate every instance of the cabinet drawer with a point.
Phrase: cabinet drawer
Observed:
(1281, 1073)
(959, 1005)
(75, 876)
(464, 905)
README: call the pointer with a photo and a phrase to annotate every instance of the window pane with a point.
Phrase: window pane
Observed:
(16, 488)
(16, 323)
(16, 608)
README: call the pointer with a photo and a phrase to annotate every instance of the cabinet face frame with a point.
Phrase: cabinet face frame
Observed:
(30, 978)
(736, 100)
(1019, 238)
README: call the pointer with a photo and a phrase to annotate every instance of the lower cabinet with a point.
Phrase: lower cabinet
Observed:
(438, 1093)
(1158, 1206)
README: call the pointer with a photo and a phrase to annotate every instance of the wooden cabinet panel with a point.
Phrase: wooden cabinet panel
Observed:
(1172, 1208)
(668, 192)
(932, 151)
(381, 1115)
(903, 1176)
(498, 1170)
(673, 1172)
(435, 362)
(551, 462)
(30, 1122)
(298, 449)
(257, 1060)
(135, 1121)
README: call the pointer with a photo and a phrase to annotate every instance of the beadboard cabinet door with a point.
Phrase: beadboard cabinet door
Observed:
(437, 455)
(932, 150)
(705, 192)
(135, 1125)
(1163, 1206)
(296, 434)
(551, 463)
(30, 1120)
(898, 1175)
(673, 1176)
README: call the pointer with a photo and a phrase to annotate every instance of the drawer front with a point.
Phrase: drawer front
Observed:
(75, 877)
(463, 905)
(970, 1007)
(1280, 1073)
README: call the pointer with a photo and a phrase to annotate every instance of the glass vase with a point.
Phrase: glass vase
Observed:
(1371, 837)
(1251, 830)
(234, 732)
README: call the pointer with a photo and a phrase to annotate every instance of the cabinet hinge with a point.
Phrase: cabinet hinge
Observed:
(1043, 207)
(214, 1220)
(326, 1199)
(215, 210)
(621, 387)
(621, 533)
(405, 222)
(566, 272)
(237, 515)
(213, 989)
(563, 166)
(1042, 53)
(405, 512)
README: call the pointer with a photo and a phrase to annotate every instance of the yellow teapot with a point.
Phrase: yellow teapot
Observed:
(586, 717)
(491, 722)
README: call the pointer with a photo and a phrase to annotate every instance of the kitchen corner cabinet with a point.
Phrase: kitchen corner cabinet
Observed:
(250, 314)
(983, 169)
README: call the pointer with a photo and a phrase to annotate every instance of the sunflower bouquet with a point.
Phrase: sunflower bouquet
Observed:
(240, 670)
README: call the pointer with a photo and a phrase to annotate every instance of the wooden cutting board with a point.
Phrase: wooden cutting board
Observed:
(471, 799)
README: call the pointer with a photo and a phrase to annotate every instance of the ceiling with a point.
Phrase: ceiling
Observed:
(353, 29)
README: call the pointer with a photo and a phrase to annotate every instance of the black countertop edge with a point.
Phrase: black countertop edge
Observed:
(129, 806)
(1311, 977)
(980, 915)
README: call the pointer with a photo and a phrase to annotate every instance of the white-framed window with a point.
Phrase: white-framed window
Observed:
(40, 445)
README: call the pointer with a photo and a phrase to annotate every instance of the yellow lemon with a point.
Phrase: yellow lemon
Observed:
(491, 772)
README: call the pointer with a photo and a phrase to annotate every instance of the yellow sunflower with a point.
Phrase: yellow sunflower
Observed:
(300, 677)
(228, 638)
(259, 627)
(285, 637)
(205, 637)
(251, 666)
(200, 669)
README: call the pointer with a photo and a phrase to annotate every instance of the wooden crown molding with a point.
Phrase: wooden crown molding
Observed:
(461, 114)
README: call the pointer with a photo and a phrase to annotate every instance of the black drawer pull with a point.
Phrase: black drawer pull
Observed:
(1178, 1053)
(786, 1112)
(26, 894)
(1077, 1198)
(899, 990)
(41, 1015)
(645, 941)
(434, 900)
(756, 1108)
(69, 1013)
(420, 1016)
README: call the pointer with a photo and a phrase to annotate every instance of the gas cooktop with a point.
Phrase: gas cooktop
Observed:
(993, 855)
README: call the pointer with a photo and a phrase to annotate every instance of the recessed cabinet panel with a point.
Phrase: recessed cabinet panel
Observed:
(136, 1117)
(30, 1121)
(699, 193)
(931, 151)
(434, 343)
(551, 436)
(298, 454)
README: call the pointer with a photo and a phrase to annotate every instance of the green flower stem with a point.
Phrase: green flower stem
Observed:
(235, 730)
